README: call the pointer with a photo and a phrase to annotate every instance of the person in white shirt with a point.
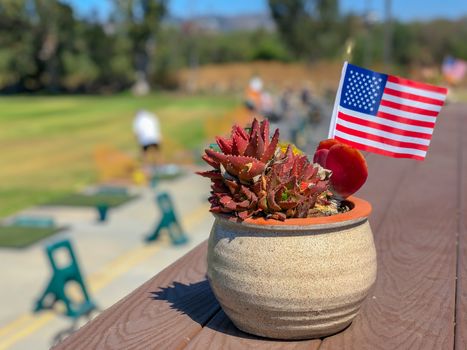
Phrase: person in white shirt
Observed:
(148, 133)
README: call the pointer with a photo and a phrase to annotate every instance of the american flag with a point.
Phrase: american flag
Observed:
(454, 69)
(385, 114)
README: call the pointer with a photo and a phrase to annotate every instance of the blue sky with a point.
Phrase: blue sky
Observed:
(402, 9)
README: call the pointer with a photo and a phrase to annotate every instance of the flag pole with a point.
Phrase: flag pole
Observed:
(332, 125)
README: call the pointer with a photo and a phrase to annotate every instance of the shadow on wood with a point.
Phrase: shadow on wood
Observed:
(190, 299)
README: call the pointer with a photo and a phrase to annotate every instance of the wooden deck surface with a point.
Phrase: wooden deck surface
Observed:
(419, 300)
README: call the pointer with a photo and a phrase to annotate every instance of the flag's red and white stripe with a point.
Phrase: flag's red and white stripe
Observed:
(403, 125)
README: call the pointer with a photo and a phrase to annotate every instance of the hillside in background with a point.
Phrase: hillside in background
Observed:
(243, 22)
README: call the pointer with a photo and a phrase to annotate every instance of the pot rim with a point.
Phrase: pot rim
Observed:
(360, 212)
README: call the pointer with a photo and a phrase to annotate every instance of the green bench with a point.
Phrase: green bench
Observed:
(164, 172)
(24, 230)
(113, 190)
(33, 221)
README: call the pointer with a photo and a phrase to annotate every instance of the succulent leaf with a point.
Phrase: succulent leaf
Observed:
(239, 132)
(239, 145)
(212, 174)
(212, 162)
(243, 155)
(265, 133)
(224, 144)
(271, 147)
(259, 146)
(253, 137)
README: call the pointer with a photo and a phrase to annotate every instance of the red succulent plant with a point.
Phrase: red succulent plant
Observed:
(244, 155)
(252, 176)
(290, 187)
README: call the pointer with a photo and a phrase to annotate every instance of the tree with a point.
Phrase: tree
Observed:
(310, 28)
(17, 62)
(140, 20)
(54, 33)
(40, 47)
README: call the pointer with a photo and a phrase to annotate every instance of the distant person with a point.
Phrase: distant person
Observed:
(148, 133)
(267, 103)
(311, 105)
(253, 94)
(305, 96)
(285, 102)
(267, 107)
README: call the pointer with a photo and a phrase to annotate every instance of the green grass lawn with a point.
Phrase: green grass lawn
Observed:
(47, 143)
(20, 237)
(82, 200)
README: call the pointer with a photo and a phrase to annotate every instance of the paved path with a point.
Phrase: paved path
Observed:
(113, 257)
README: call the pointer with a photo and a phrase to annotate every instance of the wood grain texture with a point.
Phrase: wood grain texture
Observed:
(461, 308)
(412, 306)
(385, 176)
(220, 333)
(164, 313)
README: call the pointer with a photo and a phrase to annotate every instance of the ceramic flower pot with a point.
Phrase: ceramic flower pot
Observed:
(297, 279)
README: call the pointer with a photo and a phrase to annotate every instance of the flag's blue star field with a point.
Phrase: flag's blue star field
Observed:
(362, 90)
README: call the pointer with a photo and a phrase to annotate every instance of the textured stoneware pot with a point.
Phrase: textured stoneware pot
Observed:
(297, 279)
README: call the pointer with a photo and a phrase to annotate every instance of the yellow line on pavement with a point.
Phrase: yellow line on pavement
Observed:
(27, 324)
(122, 264)
(32, 327)
(16, 324)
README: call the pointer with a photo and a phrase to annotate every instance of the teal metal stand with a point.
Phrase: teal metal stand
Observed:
(56, 291)
(102, 211)
(168, 222)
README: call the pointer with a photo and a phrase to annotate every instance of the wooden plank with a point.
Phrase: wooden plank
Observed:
(164, 313)
(220, 333)
(412, 306)
(461, 307)
(381, 195)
